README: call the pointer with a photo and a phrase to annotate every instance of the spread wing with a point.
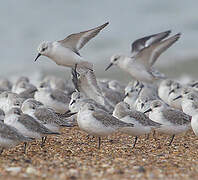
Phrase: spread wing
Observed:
(149, 55)
(78, 40)
(146, 41)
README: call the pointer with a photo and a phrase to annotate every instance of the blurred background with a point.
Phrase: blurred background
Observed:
(25, 24)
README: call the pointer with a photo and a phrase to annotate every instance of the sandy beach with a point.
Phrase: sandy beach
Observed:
(73, 156)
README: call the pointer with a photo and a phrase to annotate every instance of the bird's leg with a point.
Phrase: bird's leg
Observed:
(147, 136)
(25, 147)
(171, 140)
(1, 151)
(154, 135)
(43, 141)
(136, 138)
(99, 142)
(75, 77)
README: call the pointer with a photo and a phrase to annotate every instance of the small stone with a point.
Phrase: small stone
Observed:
(13, 170)
(31, 170)
(141, 169)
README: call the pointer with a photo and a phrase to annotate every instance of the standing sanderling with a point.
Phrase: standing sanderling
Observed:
(9, 137)
(98, 123)
(52, 98)
(26, 124)
(142, 123)
(173, 121)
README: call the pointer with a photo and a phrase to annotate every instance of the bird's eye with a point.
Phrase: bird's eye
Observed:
(115, 59)
(43, 49)
(156, 105)
(41, 86)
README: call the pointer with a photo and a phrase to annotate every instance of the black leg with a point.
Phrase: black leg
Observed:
(43, 141)
(75, 77)
(136, 138)
(25, 147)
(154, 135)
(171, 140)
(147, 136)
(99, 142)
(1, 151)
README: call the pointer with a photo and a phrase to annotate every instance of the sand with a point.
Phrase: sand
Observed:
(73, 156)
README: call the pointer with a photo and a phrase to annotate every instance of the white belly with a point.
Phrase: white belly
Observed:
(88, 124)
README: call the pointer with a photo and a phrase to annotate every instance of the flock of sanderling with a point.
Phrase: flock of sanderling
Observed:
(152, 102)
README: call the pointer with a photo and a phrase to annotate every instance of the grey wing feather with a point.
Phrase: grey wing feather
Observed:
(31, 124)
(46, 116)
(108, 120)
(141, 43)
(78, 40)
(176, 116)
(88, 83)
(142, 118)
(60, 96)
(149, 55)
(12, 133)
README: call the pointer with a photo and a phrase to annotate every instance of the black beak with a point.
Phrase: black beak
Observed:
(111, 64)
(171, 91)
(126, 95)
(148, 110)
(142, 105)
(73, 102)
(37, 56)
(180, 96)
(67, 112)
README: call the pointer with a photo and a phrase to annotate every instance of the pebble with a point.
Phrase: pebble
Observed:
(31, 170)
(13, 170)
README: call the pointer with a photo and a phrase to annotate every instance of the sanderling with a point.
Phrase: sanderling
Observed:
(176, 90)
(26, 124)
(164, 88)
(66, 52)
(173, 121)
(188, 101)
(9, 137)
(24, 89)
(142, 123)
(5, 84)
(43, 115)
(52, 98)
(86, 82)
(59, 83)
(9, 100)
(131, 95)
(194, 120)
(98, 123)
(139, 65)
(116, 86)
(114, 94)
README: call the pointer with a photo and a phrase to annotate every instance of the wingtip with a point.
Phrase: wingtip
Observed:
(105, 24)
(178, 35)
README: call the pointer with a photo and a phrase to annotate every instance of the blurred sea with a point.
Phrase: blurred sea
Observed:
(25, 24)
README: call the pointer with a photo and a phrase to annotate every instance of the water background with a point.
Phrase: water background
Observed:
(24, 24)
